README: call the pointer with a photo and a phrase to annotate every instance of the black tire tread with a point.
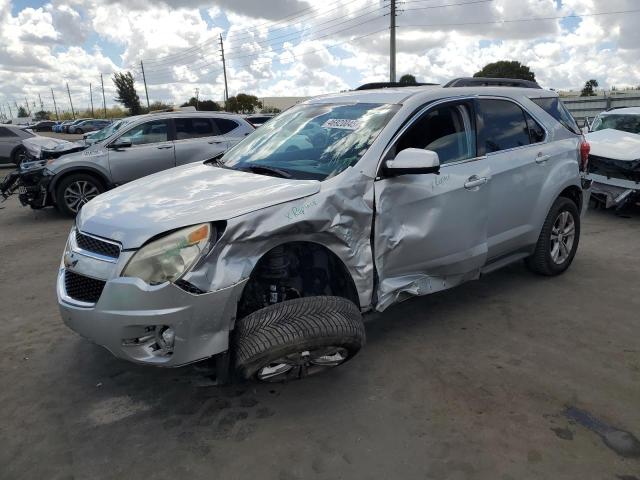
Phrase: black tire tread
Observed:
(540, 261)
(62, 185)
(295, 322)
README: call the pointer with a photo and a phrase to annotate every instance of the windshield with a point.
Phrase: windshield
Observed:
(314, 141)
(108, 131)
(626, 123)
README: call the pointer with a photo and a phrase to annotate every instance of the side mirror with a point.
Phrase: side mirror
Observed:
(413, 161)
(122, 142)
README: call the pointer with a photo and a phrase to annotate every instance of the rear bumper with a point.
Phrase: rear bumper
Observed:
(614, 192)
(130, 309)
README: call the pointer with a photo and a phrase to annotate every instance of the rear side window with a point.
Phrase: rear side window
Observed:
(225, 125)
(5, 132)
(193, 128)
(554, 107)
(501, 126)
(536, 132)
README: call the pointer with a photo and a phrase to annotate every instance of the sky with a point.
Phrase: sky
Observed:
(302, 47)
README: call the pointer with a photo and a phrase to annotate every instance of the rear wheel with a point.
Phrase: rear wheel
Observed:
(297, 338)
(79, 131)
(75, 190)
(558, 241)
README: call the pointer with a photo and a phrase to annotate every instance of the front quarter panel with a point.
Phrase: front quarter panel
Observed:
(339, 217)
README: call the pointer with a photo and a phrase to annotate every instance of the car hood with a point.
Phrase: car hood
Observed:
(40, 147)
(183, 196)
(614, 144)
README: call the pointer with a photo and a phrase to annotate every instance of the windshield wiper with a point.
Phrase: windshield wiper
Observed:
(262, 169)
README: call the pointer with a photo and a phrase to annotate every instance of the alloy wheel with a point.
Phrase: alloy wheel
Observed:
(303, 364)
(563, 235)
(78, 193)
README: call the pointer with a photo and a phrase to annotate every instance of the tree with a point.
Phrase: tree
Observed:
(42, 115)
(243, 103)
(506, 69)
(202, 105)
(588, 91)
(22, 112)
(407, 79)
(127, 94)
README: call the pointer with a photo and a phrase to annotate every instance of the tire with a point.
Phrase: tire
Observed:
(297, 338)
(18, 156)
(554, 253)
(78, 131)
(82, 186)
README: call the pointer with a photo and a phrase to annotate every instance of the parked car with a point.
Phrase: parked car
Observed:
(88, 126)
(11, 149)
(268, 256)
(42, 126)
(65, 128)
(259, 119)
(97, 135)
(614, 161)
(71, 175)
(60, 128)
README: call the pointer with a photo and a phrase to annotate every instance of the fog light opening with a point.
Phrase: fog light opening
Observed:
(165, 338)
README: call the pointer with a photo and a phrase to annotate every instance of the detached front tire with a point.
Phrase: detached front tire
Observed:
(558, 241)
(297, 338)
(75, 190)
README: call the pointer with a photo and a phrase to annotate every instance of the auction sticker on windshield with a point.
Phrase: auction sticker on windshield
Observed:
(342, 123)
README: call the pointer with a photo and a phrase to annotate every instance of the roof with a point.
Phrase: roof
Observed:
(623, 111)
(431, 92)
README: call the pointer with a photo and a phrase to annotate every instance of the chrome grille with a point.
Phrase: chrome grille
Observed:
(82, 288)
(94, 245)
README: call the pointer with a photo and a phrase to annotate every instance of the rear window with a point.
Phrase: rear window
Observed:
(554, 107)
(225, 125)
(501, 126)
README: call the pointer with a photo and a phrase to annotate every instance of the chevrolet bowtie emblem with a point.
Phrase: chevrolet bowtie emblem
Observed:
(69, 261)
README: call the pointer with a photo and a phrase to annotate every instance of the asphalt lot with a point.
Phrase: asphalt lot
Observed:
(474, 383)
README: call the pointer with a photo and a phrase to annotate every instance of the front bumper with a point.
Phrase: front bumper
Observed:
(614, 192)
(130, 309)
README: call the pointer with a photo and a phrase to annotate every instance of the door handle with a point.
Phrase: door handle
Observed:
(475, 181)
(163, 147)
(542, 158)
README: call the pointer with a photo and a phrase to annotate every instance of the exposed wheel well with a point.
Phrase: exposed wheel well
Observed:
(574, 194)
(296, 270)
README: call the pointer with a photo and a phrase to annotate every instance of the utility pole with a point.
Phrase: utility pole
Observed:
(104, 102)
(41, 104)
(144, 79)
(224, 69)
(54, 105)
(10, 112)
(392, 41)
(73, 113)
(197, 97)
(91, 97)
(26, 102)
(17, 109)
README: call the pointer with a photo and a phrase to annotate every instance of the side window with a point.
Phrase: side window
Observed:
(149, 132)
(193, 128)
(536, 132)
(554, 107)
(501, 125)
(225, 125)
(5, 132)
(445, 130)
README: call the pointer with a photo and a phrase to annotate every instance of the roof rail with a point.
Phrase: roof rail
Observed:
(491, 82)
(375, 85)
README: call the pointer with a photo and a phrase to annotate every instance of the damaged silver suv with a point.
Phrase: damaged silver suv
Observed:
(266, 257)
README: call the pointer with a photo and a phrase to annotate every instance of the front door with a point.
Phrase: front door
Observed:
(151, 151)
(431, 229)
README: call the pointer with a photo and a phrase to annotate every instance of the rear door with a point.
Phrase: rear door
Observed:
(518, 154)
(151, 151)
(431, 229)
(197, 139)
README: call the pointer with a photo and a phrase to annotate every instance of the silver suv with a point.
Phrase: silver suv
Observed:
(127, 150)
(267, 257)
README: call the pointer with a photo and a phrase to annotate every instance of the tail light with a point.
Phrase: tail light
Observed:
(585, 148)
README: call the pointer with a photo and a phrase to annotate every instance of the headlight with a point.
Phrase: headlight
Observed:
(169, 258)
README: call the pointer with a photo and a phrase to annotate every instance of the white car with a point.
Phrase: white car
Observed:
(614, 161)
